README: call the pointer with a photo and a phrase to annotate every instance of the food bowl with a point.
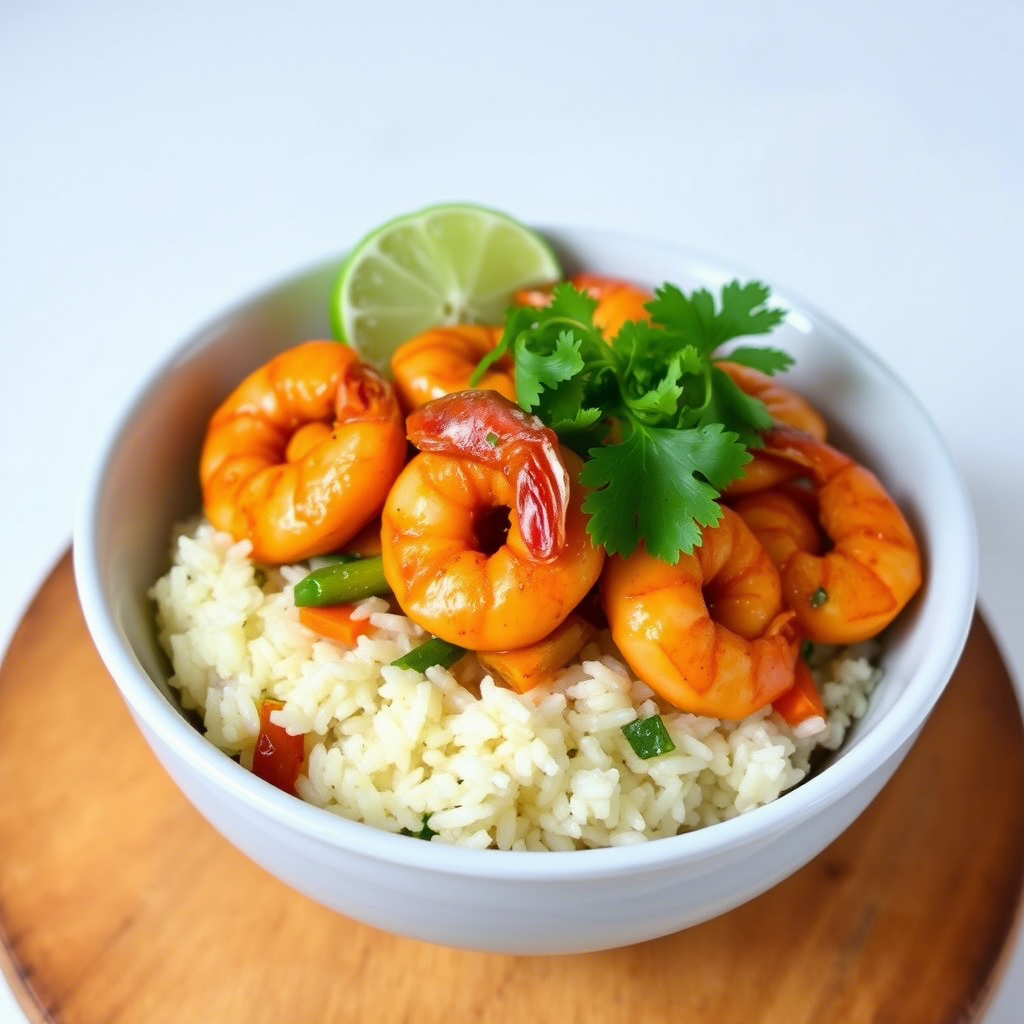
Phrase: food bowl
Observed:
(519, 902)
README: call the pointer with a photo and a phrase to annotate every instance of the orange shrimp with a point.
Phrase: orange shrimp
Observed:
(784, 406)
(873, 567)
(441, 361)
(453, 566)
(617, 301)
(784, 519)
(709, 634)
(300, 456)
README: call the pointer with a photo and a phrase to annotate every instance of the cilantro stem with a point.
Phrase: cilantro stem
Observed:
(708, 393)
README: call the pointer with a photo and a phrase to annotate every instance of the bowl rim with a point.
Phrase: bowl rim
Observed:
(169, 734)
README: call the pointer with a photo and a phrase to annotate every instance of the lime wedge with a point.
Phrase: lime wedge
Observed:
(439, 266)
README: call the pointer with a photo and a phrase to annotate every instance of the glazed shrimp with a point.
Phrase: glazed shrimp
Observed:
(617, 301)
(784, 406)
(873, 567)
(447, 557)
(300, 456)
(783, 520)
(441, 361)
(709, 634)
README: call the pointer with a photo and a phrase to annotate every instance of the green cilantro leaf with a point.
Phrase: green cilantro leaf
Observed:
(684, 427)
(570, 304)
(545, 365)
(695, 318)
(744, 311)
(660, 403)
(732, 407)
(767, 360)
(671, 479)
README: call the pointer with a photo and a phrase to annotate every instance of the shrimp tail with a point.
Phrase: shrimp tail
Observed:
(487, 428)
(542, 498)
(363, 395)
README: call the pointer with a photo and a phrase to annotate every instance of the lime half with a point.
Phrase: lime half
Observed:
(443, 265)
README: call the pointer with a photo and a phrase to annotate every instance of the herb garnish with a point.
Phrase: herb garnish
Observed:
(648, 737)
(663, 429)
(426, 832)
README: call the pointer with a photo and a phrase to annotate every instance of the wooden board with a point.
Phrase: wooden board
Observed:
(118, 903)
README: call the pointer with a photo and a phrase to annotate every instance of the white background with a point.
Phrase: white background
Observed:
(159, 160)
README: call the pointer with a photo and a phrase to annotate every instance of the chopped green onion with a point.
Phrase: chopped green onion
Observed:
(648, 737)
(424, 833)
(819, 597)
(434, 651)
(342, 583)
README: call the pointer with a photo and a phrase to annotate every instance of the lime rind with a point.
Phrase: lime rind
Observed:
(443, 265)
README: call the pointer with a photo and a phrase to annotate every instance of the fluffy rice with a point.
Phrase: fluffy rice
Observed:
(481, 765)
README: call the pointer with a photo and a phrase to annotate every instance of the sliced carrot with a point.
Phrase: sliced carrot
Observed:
(526, 667)
(802, 700)
(278, 756)
(335, 622)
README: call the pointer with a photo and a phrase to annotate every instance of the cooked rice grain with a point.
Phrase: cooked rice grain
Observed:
(482, 765)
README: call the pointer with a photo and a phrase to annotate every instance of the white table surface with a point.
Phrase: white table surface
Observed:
(159, 160)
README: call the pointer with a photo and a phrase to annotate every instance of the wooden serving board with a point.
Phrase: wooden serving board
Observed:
(118, 903)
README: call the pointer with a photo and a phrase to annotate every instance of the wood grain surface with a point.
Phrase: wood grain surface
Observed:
(118, 903)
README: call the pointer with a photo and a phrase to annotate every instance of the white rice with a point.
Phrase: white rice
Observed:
(482, 765)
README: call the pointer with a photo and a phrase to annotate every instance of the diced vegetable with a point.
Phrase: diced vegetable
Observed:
(424, 833)
(648, 737)
(526, 667)
(802, 700)
(335, 622)
(434, 651)
(279, 756)
(342, 583)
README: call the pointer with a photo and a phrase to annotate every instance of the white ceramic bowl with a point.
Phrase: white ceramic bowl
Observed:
(145, 480)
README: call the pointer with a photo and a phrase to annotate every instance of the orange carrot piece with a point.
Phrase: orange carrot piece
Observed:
(526, 667)
(335, 622)
(802, 700)
(278, 756)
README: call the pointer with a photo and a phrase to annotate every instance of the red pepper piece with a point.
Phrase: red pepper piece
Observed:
(278, 757)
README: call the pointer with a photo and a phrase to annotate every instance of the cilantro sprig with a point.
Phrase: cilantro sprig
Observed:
(662, 428)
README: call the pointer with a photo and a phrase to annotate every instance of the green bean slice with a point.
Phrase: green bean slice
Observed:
(342, 583)
(434, 651)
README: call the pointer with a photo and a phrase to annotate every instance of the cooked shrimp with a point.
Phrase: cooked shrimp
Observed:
(784, 406)
(783, 520)
(300, 456)
(873, 568)
(453, 566)
(441, 361)
(617, 301)
(710, 634)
